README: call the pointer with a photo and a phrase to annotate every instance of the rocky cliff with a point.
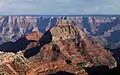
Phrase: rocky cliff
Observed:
(65, 48)
(103, 28)
(24, 42)
(73, 44)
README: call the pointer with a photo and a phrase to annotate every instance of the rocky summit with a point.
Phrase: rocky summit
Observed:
(103, 28)
(72, 43)
(63, 48)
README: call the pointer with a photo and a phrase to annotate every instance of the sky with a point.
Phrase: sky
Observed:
(59, 7)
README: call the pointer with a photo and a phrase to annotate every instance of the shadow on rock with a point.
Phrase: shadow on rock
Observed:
(45, 39)
(16, 46)
(31, 52)
(115, 53)
(62, 73)
(99, 70)
(103, 70)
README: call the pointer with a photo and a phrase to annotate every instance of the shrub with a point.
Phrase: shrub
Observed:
(68, 61)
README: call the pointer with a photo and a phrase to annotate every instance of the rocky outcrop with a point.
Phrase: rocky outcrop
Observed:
(102, 27)
(17, 64)
(14, 64)
(25, 42)
(72, 51)
(61, 48)
(33, 36)
(72, 41)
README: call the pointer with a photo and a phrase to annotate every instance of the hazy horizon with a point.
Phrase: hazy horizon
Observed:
(59, 7)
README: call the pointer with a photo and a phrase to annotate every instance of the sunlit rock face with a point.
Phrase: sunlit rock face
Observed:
(104, 28)
(61, 48)
(72, 50)
(35, 36)
(93, 50)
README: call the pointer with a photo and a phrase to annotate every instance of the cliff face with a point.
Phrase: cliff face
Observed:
(104, 28)
(69, 44)
(25, 42)
(61, 48)
(17, 64)
(35, 36)
(12, 27)
(73, 44)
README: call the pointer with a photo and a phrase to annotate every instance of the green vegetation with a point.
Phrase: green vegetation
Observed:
(80, 65)
(68, 61)
(50, 71)
(1, 73)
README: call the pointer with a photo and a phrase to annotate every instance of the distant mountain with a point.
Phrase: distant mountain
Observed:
(103, 28)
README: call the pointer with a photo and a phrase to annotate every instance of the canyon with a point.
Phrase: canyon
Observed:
(65, 47)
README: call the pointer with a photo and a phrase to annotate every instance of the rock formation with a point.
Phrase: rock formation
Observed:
(102, 27)
(61, 48)
(25, 42)
(73, 44)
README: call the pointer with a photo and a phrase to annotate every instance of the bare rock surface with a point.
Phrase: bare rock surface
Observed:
(61, 48)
